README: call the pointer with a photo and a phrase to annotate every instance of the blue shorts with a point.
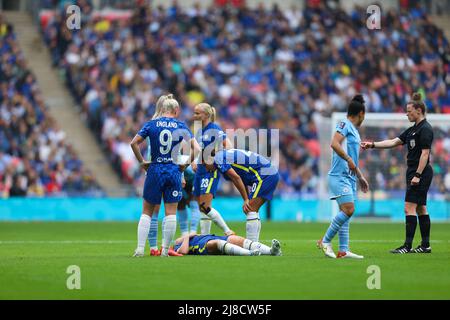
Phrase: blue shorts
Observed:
(197, 244)
(265, 187)
(163, 181)
(206, 182)
(342, 189)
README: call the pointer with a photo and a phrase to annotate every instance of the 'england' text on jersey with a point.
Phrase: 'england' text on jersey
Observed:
(166, 124)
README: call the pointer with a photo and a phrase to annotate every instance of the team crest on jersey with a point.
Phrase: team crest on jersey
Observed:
(175, 193)
(342, 125)
(412, 143)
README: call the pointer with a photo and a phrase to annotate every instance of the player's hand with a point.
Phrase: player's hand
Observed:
(144, 165)
(415, 181)
(364, 184)
(366, 145)
(194, 166)
(183, 182)
(182, 167)
(246, 207)
(351, 166)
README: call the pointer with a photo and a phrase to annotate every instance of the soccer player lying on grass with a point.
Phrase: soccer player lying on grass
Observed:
(210, 244)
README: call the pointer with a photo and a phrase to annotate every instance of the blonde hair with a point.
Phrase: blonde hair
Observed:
(210, 110)
(165, 103)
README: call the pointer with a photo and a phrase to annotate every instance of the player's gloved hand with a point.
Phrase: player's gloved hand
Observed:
(246, 207)
(415, 181)
(144, 165)
(364, 184)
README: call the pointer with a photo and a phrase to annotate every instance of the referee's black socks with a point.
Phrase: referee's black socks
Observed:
(425, 224)
(411, 224)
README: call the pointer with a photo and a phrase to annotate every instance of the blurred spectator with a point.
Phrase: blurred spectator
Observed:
(260, 67)
(34, 158)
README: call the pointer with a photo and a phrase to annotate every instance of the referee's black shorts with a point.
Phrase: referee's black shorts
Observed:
(418, 194)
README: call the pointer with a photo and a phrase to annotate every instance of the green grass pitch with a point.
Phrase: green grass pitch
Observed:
(34, 258)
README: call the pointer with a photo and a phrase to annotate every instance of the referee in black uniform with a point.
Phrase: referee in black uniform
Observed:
(419, 174)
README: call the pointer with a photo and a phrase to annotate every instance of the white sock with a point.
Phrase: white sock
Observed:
(218, 220)
(143, 229)
(252, 245)
(232, 249)
(205, 224)
(253, 226)
(168, 232)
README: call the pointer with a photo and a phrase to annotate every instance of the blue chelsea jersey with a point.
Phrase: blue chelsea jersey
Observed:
(210, 134)
(248, 165)
(165, 134)
(339, 167)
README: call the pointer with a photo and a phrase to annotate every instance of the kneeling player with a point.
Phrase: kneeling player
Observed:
(210, 244)
(257, 173)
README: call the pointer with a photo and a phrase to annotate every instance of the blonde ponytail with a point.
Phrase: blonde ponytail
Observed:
(211, 111)
(158, 107)
(165, 103)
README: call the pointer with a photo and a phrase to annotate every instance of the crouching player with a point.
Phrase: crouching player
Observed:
(257, 173)
(210, 244)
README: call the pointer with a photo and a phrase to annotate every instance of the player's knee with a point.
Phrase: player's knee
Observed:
(422, 210)
(348, 208)
(410, 210)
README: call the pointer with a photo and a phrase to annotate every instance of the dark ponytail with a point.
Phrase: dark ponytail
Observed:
(356, 105)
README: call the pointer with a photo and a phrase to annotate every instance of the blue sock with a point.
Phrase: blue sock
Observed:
(335, 225)
(195, 216)
(153, 233)
(344, 236)
(182, 218)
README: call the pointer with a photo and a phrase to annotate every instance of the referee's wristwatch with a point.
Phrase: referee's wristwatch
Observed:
(418, 175)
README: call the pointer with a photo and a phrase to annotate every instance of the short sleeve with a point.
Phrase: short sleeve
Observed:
(145, 131)
(342, 128)
(189, 132)
(426, 138)
(217, 131)
(403, 135)
(220, 160)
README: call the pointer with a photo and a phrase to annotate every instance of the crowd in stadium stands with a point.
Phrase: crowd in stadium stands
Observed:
(261, 68)
(35, 160)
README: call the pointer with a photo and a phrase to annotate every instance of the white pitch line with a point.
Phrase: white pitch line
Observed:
(133, 241)
(65, 241)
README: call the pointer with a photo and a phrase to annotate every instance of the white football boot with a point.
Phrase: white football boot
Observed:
(138, 253)
(348, 255)
(326, 248)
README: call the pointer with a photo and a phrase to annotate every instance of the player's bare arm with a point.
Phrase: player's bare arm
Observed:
(239, 184)
(336, 145)
(137, 140)
(422, 164)
(362, 181)
(184, 248)
(385, 144)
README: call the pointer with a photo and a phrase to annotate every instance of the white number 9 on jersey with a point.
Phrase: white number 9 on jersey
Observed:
(165, 139)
